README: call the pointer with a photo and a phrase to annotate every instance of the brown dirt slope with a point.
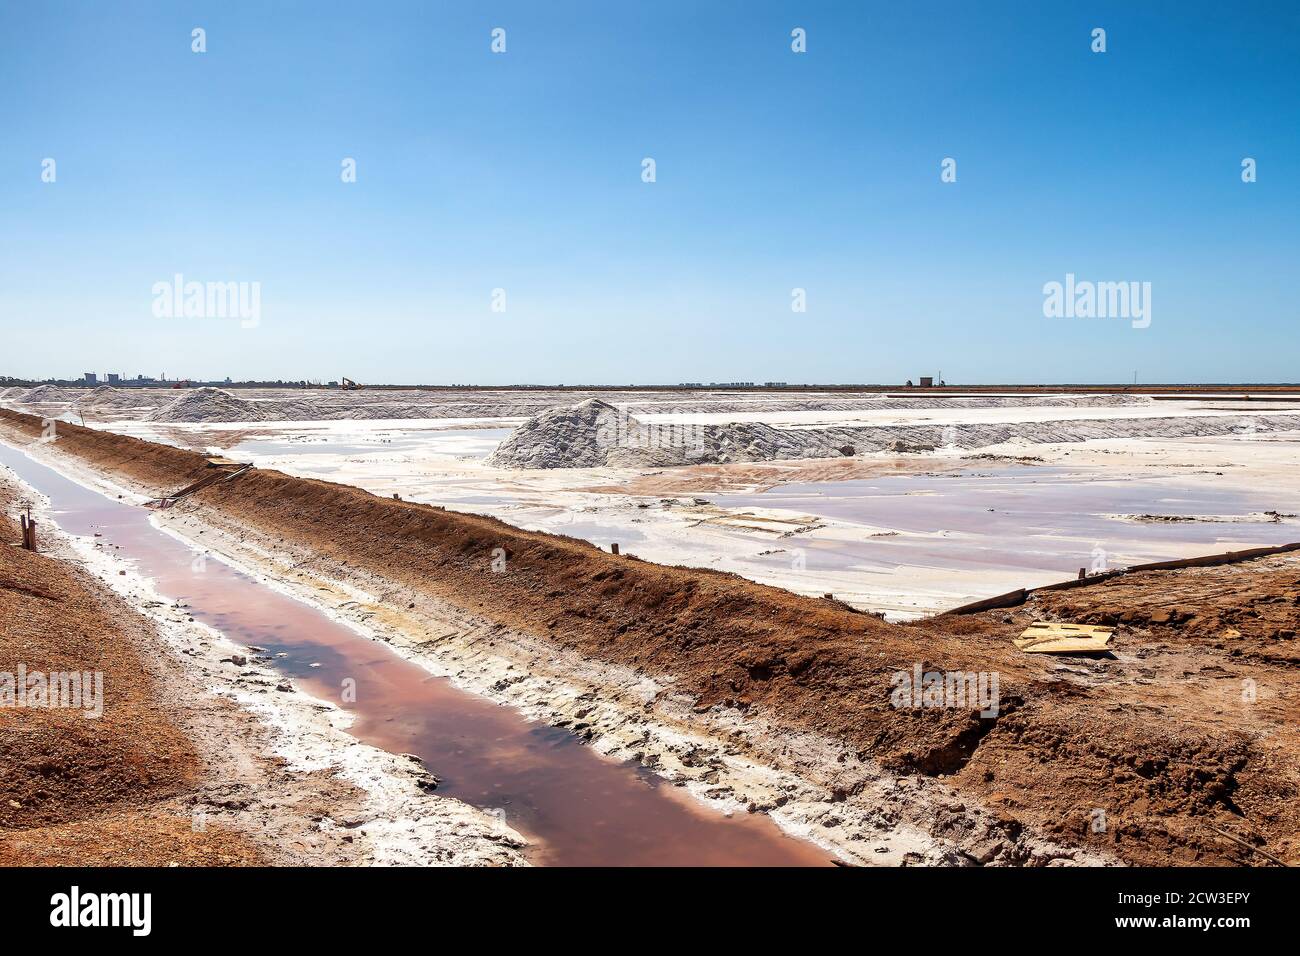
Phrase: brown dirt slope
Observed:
(85, 791)
(1149, 754)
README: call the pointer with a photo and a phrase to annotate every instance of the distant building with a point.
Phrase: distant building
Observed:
(927, 381)
(91, 378)
(114, 378)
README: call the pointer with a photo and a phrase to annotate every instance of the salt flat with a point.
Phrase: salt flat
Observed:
(904, 534)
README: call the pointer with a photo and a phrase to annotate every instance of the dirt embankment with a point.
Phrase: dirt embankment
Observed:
(83, 790)
(192, 759)
(1151, 755)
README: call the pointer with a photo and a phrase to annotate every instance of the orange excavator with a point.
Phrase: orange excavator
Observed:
(350, 386)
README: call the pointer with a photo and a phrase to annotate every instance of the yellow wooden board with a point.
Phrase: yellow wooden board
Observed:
(1049, 637)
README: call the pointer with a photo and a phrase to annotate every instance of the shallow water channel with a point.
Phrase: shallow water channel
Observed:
(575, 806)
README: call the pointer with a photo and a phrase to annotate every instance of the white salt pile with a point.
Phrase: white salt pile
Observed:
(572, 436)
(208, 405)
(48, 395)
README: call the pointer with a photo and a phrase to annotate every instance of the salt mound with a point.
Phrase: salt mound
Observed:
(208, 405)
(569, 436)
(593, 434)
(101, 395)
(47, 394)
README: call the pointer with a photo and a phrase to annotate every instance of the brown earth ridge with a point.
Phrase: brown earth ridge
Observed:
(1159, 742)
(111, 790)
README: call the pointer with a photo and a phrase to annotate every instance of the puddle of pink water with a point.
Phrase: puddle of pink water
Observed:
(1036, 519)
(578, 807)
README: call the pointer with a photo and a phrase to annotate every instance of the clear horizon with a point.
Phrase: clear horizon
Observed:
(516, 178)
(130, 382)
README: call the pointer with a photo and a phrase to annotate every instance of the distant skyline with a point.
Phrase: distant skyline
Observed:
(487, 179)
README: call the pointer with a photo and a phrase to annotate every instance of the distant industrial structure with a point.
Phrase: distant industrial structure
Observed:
(728, 385)
(720, 384)
(116, 380)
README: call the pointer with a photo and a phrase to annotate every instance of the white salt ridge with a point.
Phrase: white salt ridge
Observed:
(214, 405)
(593, 434)
(207, 405)
(47, 395)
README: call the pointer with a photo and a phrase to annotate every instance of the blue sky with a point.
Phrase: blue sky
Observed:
(775, 170)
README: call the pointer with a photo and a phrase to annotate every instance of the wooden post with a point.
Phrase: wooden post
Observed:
(613, 548)
(1083, 573)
